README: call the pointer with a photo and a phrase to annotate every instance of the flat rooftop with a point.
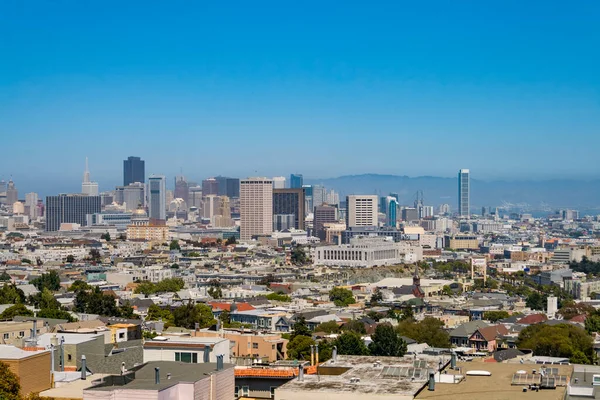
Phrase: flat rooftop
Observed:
(8, 352)
(498, 386)
(368, 375)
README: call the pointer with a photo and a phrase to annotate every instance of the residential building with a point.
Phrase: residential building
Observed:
(296, 181)
(464, 193)
(167, 380)
(69, 208)
(256, 207)
(186, 349)
(459, 337)
(157, 197)
(290, 202)
(362, 210)
(248, 345)
(134, 170)
(31, 365)
(144, 228)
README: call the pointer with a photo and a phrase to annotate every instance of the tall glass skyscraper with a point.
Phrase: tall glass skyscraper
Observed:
(133, 170)
(464, 193)
(391, 211)
(70, 208)
(157, 197)
(296, 181)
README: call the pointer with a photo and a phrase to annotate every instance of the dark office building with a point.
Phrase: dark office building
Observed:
(182, 190)
(134, 170)
(229, 187)
(296, 181)
(323, 214)
(70, 208)
(210, 186)
(290, 201)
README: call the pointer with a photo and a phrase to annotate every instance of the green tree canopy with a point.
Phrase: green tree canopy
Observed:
(49, 280)
(189, 314)
(592, 324)
(300, 328)
(562, 340)
(376, 297)
(174, 245)
(387, 342)
(298, 348)
(354, 326)
(279, 297)
(156, 313)
(10, 294)
(328, 327)
(70, 258)
(105, 236)
(9, 383)
(350, 343)
(79, 285)
(4, 277)
(298, 256)
(96, 302)
(536, 301)
(230, 240)
(429, 330)
(56, 313)
(571, 309)
(341, 297)
(495, 316)
(17, 309)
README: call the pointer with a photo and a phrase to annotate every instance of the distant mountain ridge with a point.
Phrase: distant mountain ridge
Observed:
(437, 190)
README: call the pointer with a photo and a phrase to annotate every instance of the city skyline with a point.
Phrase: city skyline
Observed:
(461, 79)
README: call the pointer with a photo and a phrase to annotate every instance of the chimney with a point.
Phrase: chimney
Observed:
(316, 354)
(431, 381)
(83, 368)
(301, 373)
(453, 360)
(312, 355)
(54, 341)
(156, 375)
(334, 354)
(220, 362)
(34, 332)
(206, 353)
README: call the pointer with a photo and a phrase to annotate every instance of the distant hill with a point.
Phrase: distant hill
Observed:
(436, 190)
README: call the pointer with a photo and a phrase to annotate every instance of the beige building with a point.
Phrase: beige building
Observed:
(362, 210)
(30, 365)
(256, 207)
(144, 228)
(12, 331)
(461, 242)
(244, 345)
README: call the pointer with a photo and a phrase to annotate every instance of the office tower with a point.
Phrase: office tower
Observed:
(107, 198)
(256, 207)
(210, 206)
(88, 187)
(362, 210)
(323, 214)
(223, 219)
(134, 170)
(464, 193)
(391, 211)
(157, 197)
(132, 196)
(229, 187)
(426, 212)
(3, 186)
(308, 197)
(296, 181)
(410, 214)
(382, 204)
(289, 202)
(279, 182)
(195, 197)
(12, 195)
(282, 222)
(41, 209)
(319, 195)
(31, 200)
(69, 208)
(210, 186)
(182, 190)
(332, 198)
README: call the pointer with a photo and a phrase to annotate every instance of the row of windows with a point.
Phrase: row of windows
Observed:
(190, 358)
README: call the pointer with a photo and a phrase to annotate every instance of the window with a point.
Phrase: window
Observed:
(6, 336)
(69, 358)
(236, 392)
(273, 391)
(255, 345)
(187, 357)
(245, 390)
(22, 334)
(272, 347)
(122, 335)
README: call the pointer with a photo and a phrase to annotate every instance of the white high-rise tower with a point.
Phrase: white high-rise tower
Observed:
(88, 187)
(256, 207)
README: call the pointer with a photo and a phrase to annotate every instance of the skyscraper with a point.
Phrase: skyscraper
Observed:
(12, 195)
(362, 210)
(279, 182)
(256, 207)
(464, 193)
(134, 170)
(391, 211)
(157, 197)
(323, 214)
(88, 187)
(131, 195)
(289, 202)
(296, 181)
(31, 200)
(69, 208)
(229, 187)
(210, 186)
(181, 189)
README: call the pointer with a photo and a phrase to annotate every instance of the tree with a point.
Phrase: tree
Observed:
(126, 311)
(56, 313)
(300, 328)
(50, 280)
(592, 324)
(44, 299)
(170, 285)
(562, 340)
(407, 312)
(174, 266)
(350, 343)
(225, 317)
(387, 342)
(95, 255)
(11, 294)
(4, 277)
(495, 316)
(536, 301)
(298, 256)
(279, 297)
(70, 258)
(298, 348)
(230, 240)
(341, 297)
(571, 309)
(328, 327)
(354, 326)
(105, 236)
(17, 309)
(189, 314)
(79, 285)
(429, 330)
(9, 383)
(156, 313)
(215, 289)
(145, 287)
(96, 302)
(26, 261)
(174, 245)
(376, 297)
(447, 290)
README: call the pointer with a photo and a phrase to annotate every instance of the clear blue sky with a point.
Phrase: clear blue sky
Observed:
(509, 89)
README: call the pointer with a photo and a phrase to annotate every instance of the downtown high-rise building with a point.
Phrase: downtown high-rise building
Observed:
(157, 197)
(182, 190)
(361, 210)
(12, 195)
(210, 186)
(70, 208)
(134, 170)
(87, 186)
(296, 181)
(229, 187)
(256, 207)
(464, 193)
(322, 215)
(31, 200)
(132, 196)
(279, 182)
(391, 211)
(288, 202)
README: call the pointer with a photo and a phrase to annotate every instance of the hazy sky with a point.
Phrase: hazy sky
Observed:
(509, 89)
